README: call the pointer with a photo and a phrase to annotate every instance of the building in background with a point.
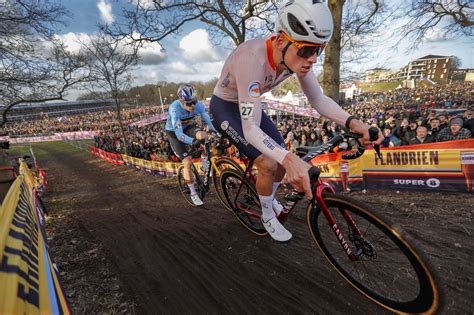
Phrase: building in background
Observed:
(462, 74)
(432, 68)
(377, 75)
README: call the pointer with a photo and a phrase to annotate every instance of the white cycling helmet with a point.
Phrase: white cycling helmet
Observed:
(305, 21)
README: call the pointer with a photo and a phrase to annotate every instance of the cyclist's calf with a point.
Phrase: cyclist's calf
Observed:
(269, 171)
(187, 172)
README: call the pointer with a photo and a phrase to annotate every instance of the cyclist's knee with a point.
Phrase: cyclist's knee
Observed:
(187, 161)
(266, 165)
(200, 135)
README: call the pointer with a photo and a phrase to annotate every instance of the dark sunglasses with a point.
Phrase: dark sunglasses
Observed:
(306, 50)
(191, 103)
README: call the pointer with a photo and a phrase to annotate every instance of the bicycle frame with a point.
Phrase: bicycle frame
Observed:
(292, 199)
(204, 180)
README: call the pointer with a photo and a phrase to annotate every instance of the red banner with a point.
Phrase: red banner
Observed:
(114, 158)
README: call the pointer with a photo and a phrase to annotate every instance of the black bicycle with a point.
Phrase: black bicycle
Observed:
(211, 167)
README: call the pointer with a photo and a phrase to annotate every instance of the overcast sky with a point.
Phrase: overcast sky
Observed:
(192, 56)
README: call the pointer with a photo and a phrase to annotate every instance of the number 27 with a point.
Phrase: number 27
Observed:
(247, 110)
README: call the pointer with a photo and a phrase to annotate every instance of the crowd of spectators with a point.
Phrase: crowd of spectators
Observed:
(103, 120)
(148, 142)
(405, 116)
(422, 115)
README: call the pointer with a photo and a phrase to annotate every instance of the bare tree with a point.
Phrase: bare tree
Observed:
(153, 20)
(112, 62)
(237, 20)
(34, 66)
(457, 63)
(448, 17)
(353, 20)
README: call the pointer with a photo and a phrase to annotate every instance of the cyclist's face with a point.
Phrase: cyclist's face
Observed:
(300, 65)
(188, 106)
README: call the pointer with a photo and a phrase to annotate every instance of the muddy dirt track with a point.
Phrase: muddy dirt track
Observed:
(126, 242)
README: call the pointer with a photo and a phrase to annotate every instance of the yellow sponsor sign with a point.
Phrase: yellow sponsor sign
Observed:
(29, 282)
(333, 169)
(413, 159)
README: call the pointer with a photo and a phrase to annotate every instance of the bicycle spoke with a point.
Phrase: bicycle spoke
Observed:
(386, 269)
(245, 205)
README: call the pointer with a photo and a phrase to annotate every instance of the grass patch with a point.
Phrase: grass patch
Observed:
(40, 149)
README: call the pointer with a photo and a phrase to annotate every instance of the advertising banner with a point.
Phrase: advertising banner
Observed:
(428, 168)
(29, 280)
(444, 166)
(290, 109)
(150, 120)
(77, 135)
(342, 175)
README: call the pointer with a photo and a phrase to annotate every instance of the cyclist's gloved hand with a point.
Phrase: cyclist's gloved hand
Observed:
(197, 143)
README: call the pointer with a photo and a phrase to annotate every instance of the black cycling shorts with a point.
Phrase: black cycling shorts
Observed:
(225, 117)
(179, 147)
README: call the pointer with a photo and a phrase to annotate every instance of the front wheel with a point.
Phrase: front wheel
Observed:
(220, 165)
(245, 204)
(386, 269)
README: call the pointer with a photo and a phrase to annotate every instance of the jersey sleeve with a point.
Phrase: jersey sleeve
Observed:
(249, 77)
(204, 115)
(177, 127)
(322, 103)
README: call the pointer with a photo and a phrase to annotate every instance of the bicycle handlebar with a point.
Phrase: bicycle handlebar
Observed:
(373, 135)
(314, 171)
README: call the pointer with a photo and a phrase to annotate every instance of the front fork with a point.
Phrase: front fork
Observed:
(355, 236)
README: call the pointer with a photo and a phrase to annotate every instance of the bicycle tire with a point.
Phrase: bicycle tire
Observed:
(248, 199)
(221, 164)
(183, 187)
(418, 292)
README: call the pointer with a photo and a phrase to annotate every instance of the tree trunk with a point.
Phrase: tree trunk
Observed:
(332, 59)
(119, 118)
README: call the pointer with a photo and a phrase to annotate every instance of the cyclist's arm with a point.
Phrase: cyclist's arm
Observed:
(251, 110)
(330, 109)
(178, 128)
(322, 103)
(204, 115)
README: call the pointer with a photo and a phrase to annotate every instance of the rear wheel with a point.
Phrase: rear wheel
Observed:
(221, 164)
(247, 205)
(184, 188)
(387, 270)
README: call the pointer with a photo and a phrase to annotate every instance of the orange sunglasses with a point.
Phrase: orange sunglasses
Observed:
(305, 50)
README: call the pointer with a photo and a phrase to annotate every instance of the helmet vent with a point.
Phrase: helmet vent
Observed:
(319, 36)
(296, 25)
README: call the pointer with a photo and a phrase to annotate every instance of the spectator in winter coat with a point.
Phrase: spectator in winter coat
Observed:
(422, 136)
(454, 132)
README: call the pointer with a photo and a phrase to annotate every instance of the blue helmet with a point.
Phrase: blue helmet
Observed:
(187, 93)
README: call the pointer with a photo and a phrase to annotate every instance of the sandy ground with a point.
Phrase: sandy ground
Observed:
(127, 242)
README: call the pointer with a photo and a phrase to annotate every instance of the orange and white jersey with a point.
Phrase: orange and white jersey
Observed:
(248, 72)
